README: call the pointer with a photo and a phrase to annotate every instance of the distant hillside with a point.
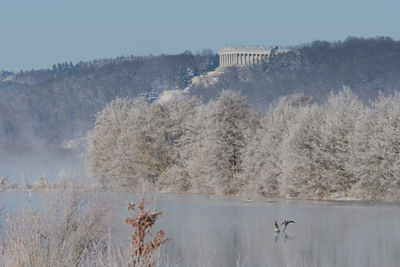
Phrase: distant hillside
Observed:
(51, 106)
(10, 80)
(366, 65)
(59, 104)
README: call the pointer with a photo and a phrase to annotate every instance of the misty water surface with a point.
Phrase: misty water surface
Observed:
(223, 231)
(40, 164)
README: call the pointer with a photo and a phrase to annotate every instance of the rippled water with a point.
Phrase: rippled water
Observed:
(224, 232)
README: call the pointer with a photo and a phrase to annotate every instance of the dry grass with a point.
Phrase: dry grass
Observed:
(72, 226)
(65, 231)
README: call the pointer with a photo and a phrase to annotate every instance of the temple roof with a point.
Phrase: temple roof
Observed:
(249, 49)
(246, 47)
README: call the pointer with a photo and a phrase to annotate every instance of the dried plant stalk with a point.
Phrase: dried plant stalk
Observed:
(142, 245)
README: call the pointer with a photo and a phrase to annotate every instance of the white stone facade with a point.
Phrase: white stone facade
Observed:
(245, 55)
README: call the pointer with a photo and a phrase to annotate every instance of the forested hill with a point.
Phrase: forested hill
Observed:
(10, 80)
(59, 104)
(51, 106)
(366, 65)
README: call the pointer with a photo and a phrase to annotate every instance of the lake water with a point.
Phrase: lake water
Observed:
(226, 231)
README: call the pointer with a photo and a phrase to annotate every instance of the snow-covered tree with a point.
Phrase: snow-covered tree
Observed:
(103, 140)
(376, 155)
(134, 143)
(183, 134)
(341, 113)
(262, 159)
(229, 122)
(301, 158)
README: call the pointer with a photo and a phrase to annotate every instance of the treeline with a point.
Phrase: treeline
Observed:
(367, 65)
(10, 79)
(339, 149)
(63, 107)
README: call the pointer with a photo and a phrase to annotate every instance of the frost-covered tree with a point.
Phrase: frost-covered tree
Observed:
(190, 171)
(139, 142)
(142, 147)
(376, 155)
(262, 159)
(229, 122)
(103, 140)
(182, 132)
(341, 113)
(301, 158)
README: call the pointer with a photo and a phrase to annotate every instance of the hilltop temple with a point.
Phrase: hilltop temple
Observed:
(246, 55)
(237, 56)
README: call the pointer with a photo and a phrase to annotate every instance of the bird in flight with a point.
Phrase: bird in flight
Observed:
(285, 223)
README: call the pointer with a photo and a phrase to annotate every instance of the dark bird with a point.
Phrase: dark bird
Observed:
(276, 230)
(285, 223)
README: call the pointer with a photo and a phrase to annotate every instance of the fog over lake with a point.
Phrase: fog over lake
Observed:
(227, 231)
(40, 163)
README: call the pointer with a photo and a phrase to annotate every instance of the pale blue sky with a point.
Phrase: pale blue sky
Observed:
(39, 33)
